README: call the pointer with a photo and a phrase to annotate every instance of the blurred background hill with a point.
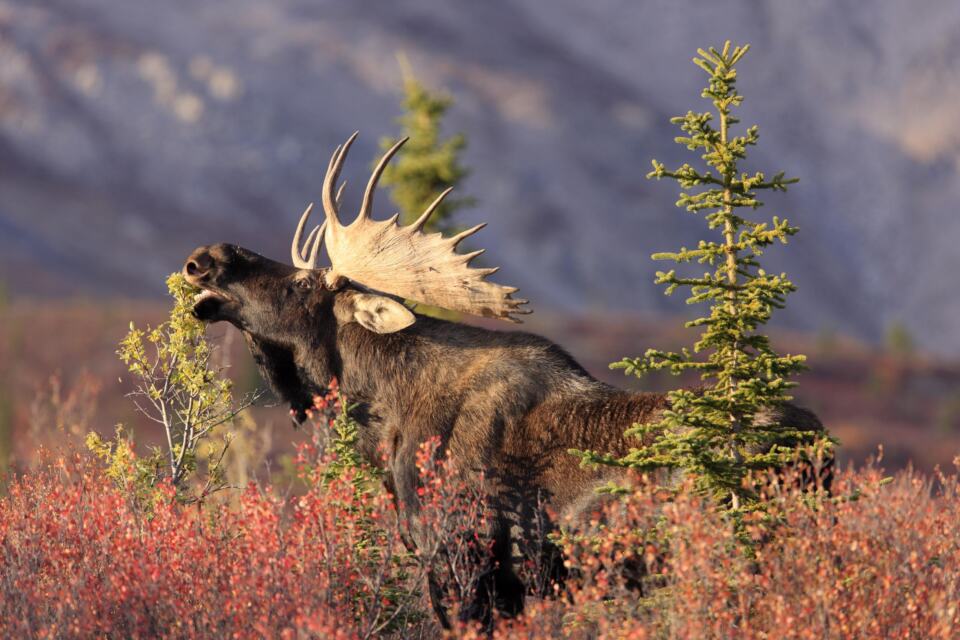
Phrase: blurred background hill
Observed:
(131, 132)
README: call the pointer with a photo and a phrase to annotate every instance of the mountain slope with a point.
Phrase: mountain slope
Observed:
(132, 132)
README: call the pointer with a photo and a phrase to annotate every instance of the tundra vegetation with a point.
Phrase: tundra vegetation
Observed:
(120, 544)
(178, 388)
(713, 433)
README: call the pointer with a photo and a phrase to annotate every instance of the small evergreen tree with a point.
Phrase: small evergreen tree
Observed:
(712, 433)
(428, 164)
(344, 448)
(898, 340)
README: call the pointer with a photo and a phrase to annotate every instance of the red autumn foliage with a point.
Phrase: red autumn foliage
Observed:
(79, 562)
(876, 559)
(880, 558)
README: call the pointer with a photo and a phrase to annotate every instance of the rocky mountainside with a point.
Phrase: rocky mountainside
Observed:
(130, 132)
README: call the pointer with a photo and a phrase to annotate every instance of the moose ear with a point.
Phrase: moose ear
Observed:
(381, 314)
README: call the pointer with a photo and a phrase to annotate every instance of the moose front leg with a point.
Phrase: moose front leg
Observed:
(409, 538)
(464, 548)
(401, 479)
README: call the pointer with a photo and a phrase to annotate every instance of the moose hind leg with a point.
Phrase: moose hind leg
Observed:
(508, 589)
(436, 591)
(498, 587)
(509, 592)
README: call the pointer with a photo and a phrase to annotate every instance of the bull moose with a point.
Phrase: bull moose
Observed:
(505, 403)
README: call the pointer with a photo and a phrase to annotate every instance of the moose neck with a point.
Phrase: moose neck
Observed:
(300, 368)
(375, 367)
(392, 379)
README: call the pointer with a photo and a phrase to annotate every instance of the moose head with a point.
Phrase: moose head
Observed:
(382, 260)
(285, 311)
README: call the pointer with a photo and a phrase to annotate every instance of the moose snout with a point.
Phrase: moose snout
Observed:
(198, 264)
(200, 268)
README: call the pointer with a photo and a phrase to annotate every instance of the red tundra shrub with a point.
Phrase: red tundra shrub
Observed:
(81, 559)
(876, 559)
(879, 558)
(78, 562)
(881, 561)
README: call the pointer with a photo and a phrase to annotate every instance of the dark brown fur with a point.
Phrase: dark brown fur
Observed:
(507, 404)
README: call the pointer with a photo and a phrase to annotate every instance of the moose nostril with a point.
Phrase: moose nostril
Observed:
(199, 264)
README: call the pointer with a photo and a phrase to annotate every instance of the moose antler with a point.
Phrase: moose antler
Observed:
(307, 257)
(403, 261)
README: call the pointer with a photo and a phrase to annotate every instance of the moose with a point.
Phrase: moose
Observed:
(505, 404)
